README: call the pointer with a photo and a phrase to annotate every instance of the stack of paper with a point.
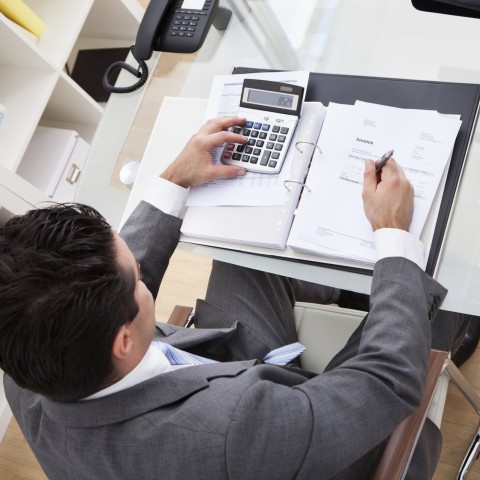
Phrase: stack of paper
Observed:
(330, 219)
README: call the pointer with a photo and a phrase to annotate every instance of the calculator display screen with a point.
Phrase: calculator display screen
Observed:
(272, 99)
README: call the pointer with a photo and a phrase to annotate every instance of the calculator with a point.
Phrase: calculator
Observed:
(272, 110)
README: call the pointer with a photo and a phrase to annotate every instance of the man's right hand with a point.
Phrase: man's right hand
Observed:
(194, 164)
(387, 197)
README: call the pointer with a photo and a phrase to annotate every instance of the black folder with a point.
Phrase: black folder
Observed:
(445, 97)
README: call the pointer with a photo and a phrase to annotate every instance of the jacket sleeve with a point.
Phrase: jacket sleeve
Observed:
(152, 236)
(331, 421)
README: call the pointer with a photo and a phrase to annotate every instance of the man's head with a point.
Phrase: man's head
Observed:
(69, 303)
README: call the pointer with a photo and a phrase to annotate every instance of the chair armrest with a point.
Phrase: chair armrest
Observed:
(180, 315)
(402, 442)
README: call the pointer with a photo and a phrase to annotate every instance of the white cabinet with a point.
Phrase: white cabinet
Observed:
(35, 88)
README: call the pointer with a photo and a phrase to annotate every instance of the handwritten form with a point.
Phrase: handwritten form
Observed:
(330, 219)
(253, 189)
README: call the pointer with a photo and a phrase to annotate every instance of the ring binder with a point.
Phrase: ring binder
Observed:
(297, 182)
(307, 143)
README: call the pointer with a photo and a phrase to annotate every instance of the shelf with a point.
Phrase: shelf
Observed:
(64, 21)
(69, 104)
(25, 94)
(23, 52)
(35, 88)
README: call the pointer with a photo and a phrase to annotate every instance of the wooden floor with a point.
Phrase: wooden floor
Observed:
(185, 281)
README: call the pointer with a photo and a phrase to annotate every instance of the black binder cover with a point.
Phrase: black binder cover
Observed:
(445, 97)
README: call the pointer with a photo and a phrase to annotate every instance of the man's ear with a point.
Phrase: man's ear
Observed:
(122, 343)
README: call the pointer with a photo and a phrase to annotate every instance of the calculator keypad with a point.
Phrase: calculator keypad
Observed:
(266, 147)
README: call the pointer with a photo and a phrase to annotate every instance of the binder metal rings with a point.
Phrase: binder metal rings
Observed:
(298, 183)
(307, 143)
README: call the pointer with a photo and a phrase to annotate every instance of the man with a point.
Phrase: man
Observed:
(96, 398)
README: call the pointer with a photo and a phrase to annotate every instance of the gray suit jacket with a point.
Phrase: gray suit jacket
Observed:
(242, 419)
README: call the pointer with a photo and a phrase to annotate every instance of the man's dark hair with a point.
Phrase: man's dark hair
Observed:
(63, 298)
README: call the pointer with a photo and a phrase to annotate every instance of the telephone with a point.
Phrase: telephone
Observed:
(462, 8)
(178, 26)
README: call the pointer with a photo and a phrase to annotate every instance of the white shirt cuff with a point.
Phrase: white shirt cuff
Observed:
(392, 242)
(166, 196)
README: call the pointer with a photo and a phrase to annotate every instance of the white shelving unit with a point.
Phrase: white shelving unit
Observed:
(35, 88)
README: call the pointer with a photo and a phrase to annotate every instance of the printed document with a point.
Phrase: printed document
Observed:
(330, 218)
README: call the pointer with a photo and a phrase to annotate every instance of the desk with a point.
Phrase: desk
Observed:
(386, 38)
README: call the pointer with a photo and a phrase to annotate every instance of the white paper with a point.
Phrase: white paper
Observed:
(332, 213)
(253, 189)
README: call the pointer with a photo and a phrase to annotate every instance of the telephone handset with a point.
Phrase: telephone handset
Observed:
(178, 26)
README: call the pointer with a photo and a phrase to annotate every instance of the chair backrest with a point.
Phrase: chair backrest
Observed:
(324, 330)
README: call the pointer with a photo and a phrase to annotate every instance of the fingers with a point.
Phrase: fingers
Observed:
(227, 171)
(369, 178)
(388, 196)
(222, 123)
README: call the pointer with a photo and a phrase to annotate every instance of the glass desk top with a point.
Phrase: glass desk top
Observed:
(383, 38)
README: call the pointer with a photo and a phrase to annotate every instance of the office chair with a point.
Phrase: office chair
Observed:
(324, 330)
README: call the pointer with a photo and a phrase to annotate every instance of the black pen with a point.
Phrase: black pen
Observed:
(383, 161)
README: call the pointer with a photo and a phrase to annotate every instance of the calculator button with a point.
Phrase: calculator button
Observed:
(263, 135)
(257, 151)
(284, 130)
(272, 163)
(236, 156)
(236, 130)
(245, 158)
(275, 129)
(251, 141)
(246, 132)
(275, 155)
(272, 137)
(248, 150)
(265, 127)
(281, 138)
(254, 160)
(227, 155)
(249, 124)
(231, 147)
(254, 134)
(278, 147)
(270, 145)
(240, 148)
(257, 125)
(265, 157)
(260, 143)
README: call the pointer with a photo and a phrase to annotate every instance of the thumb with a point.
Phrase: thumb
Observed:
(227, 171)
(369, 178)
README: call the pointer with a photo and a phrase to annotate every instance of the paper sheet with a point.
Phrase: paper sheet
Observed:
(423, 142)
